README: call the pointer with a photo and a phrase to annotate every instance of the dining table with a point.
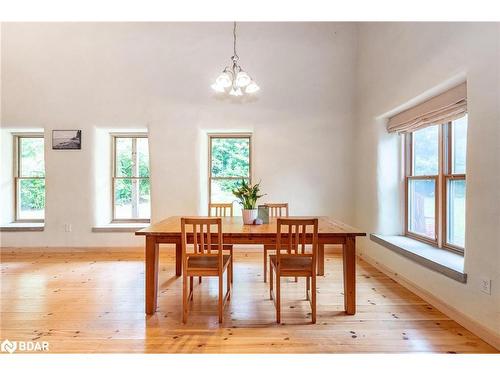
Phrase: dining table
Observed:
(330, 231)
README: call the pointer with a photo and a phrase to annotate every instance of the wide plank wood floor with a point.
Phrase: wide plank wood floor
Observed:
(93, 302)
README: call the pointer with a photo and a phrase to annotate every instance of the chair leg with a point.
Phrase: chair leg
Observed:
(221, 296)
(265, 264)
(271, 282)
(199, 277)
(191, 282)
(228, 287)
(296, 252)
(313, 297)
(308, 287)
(232, 269)
(278, 298)
(184, 297)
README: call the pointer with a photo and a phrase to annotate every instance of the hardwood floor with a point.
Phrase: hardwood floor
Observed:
(83, 302)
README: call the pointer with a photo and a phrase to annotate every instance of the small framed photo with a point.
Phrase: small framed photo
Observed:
(66, 139)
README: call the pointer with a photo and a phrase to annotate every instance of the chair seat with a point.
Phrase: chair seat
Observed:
(292, 263)
(284, 247)
(216, 247)
(207, 262)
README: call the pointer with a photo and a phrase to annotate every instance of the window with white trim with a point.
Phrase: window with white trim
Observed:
(229, 162)
(130, 178)
(29, 177)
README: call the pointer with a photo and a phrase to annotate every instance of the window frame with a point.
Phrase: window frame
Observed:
(445, 174)
(448, 175)
(212, 136)
(134, 137)
(18, 177)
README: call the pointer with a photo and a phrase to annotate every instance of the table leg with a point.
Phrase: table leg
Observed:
(321, 259)
(349, 255)
(178, 259)
(151, 274)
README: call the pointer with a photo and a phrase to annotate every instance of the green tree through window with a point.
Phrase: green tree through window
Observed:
(131, 178)
(229, 164)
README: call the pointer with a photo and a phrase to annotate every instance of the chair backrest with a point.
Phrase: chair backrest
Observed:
(297, 234)
(221, 209)
(206, 240)
(277, 209)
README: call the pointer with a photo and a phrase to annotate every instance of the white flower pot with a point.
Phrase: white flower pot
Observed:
(249, 215)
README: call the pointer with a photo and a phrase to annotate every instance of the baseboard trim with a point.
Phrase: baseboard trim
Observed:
(472, 325)
(70, 249)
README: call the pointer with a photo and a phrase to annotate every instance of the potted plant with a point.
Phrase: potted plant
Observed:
(247, 196)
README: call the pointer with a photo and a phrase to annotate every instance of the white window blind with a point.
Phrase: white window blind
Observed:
(448, 106)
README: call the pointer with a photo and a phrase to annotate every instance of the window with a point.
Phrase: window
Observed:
(454, 183)
(29, 177)
(130, 186)
(435, 184)
(229, 163)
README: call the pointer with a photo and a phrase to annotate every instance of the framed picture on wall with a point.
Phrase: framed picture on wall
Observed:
(66, 139)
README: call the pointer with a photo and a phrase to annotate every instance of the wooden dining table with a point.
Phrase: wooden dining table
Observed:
(330, 231)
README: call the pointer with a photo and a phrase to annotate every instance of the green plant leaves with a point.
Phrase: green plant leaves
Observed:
(247, 194)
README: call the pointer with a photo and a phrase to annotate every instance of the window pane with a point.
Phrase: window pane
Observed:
(230, 157)
(426, 151)
(123, 198)
(132, 198)
(31, 197)
(143, 157)
(221, 190)
(456, 212)
(144, 207)
(459, 144)
(422, 207)
(31, 157)
(123, 163)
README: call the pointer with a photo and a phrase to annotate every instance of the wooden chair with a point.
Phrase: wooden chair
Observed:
(207, 258)
(275, 210)
(222, 210)
(295, 264)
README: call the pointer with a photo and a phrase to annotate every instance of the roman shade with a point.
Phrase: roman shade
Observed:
(442, 108)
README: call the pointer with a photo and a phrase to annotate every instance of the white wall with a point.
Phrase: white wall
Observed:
(396, 63)
(102, 76)
(6, 178)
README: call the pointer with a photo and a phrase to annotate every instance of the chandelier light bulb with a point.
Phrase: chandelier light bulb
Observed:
(224, 79)
(242, 79)
(235, 92)
(252, 87)
(217, 88)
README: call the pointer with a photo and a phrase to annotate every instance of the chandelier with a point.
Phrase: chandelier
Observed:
(234, 80)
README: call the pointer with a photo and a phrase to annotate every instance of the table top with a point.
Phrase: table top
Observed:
(234, 225)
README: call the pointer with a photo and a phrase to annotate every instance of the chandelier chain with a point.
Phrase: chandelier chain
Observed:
(234, 40)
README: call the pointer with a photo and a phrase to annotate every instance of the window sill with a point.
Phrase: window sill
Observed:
(22, 227)
(440, 260)
(119, 227)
